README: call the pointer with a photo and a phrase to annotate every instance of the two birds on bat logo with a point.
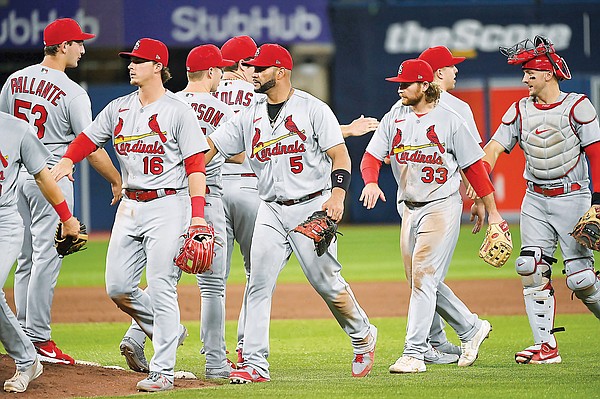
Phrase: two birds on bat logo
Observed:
(155, 130)
(434, 141)
(263, 150)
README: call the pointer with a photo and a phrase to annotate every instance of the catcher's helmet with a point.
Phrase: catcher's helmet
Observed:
(538, 54)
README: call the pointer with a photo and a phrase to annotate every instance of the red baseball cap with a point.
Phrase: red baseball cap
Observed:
(64, 30)
(414, 70)
(149, 49)
(239, 48)
(271, 54)
(204, 57)
(440, 57)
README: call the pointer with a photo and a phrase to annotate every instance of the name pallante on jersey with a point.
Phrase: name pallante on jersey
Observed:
(46, 90)
(263, 151)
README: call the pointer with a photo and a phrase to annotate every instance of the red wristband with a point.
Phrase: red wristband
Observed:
(198, 203)
(487, 166)
(63, 211)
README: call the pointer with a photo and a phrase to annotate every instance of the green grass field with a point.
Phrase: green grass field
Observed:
(316, 362)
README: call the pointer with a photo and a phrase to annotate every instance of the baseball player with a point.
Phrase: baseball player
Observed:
(294, 144)
(160, 148)
(443, 64)
(20, 147)
(204, 73)
(428, 143)
(558, 133)
(240, 194)
(58, 109)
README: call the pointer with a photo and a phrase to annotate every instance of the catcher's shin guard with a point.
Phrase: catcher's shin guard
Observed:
(584, 282)
(534, 268)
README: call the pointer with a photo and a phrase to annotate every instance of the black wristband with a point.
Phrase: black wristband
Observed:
(340, 178)
(595, 198)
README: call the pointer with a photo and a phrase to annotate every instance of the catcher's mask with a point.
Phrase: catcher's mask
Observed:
(538, 54)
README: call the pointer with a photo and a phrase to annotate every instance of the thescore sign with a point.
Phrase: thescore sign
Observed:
(469, 34)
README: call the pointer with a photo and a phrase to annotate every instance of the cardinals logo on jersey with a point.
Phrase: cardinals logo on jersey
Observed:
(396, 141)
(433, 137)
(153, 125)
(118, 128)
(264, 150)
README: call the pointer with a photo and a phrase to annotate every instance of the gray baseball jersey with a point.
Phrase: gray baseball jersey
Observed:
(288, 158)
(19, 146)
(291, 163)
(151, 158)
(426, 152)
(58, 108)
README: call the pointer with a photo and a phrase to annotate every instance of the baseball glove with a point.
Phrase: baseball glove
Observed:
(69, 245)
(320, 228)
(587, 230)
(198, 250)
(497, 244)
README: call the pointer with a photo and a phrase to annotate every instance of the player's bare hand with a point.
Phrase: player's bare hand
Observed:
(494, 217)
(117, 191)
(334, 206)
(370, 194)
(361, 126)
(478, 216)
(387, 160)
(63, 168)
(70, 227)
(470, 192)
(198, 221)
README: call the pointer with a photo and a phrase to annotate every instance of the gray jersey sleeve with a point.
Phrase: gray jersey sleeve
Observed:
(80, 113)
(380, 145)
(34, 154)
(229, 137)
(464, 146)
(189, 135)
(100, 130)
(326, 127)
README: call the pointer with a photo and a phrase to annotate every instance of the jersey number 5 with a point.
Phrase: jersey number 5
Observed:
(296, 165)
(440, 175)
(35, 110)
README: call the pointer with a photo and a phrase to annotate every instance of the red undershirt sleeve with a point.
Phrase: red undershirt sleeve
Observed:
(80, 148)
(479, 178)
(369, 168)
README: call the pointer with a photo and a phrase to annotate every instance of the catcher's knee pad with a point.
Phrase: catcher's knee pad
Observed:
(584, 282)
(534, 267)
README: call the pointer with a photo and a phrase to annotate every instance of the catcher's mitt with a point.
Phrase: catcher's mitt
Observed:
(69, 245)
(320, 228)
(587, 230)
(497, 244)
(198, 250)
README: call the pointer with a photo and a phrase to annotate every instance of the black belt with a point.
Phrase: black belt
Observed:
(412, 204)
(299, 200)
(148, 195)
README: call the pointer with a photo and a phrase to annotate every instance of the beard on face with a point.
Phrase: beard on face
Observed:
(265, 86)
(413, 101)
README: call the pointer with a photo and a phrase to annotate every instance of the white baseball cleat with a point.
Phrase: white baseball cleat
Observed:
(470, 349)
(434, 356)
(20, 381)
(408, 364)
(155, 382)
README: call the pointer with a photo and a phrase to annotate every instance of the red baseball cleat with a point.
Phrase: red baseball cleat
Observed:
(49, 352)
(538, 354)
(245, 375)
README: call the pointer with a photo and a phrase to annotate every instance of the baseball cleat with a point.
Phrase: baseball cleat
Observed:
(20, 381)
(470, 349)
(408, 364)
(240, 357)
(49, 352)
(134, 355)
(246, 375)
(220, 373)
(538, 354)
(155, 382)
(363, 362)
(434, 356)
(448, 347)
